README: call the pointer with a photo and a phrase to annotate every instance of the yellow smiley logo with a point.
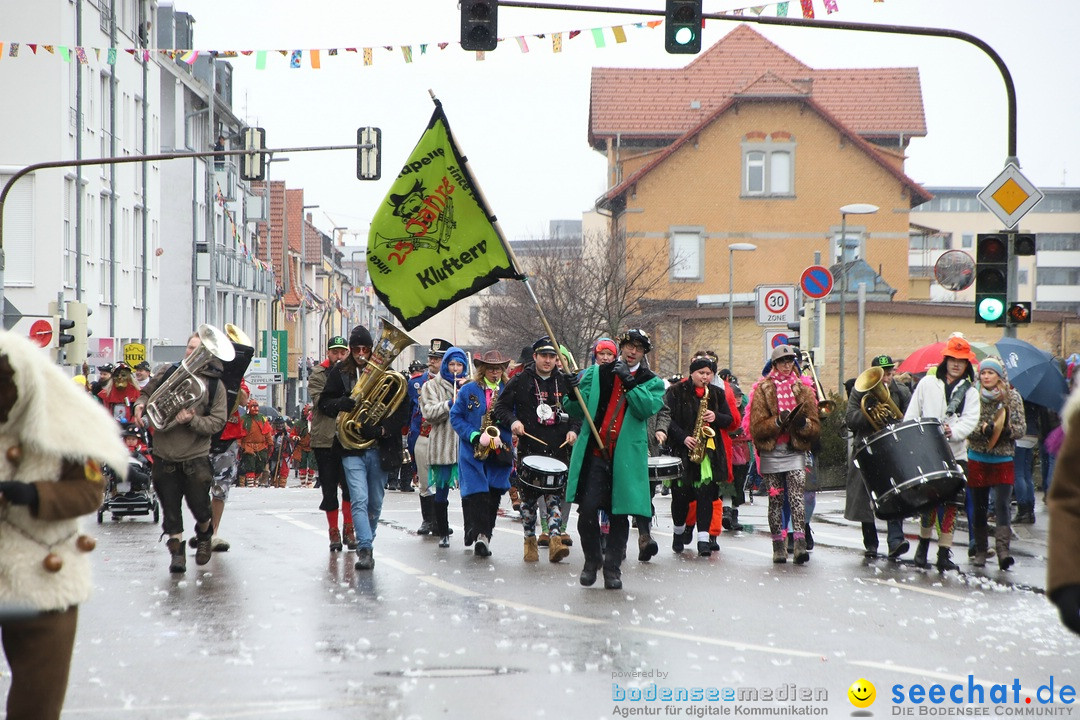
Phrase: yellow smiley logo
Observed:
(862, 693)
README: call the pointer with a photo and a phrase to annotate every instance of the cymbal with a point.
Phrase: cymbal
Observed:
(999, 425)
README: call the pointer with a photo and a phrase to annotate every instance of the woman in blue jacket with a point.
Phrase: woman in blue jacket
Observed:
(482, 479)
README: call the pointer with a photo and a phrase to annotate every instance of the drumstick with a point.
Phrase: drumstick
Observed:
(533, 437)
(565, 443)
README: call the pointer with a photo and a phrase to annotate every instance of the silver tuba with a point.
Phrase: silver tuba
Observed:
(183, 388)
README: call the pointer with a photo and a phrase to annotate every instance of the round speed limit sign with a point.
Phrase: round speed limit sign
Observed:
(775, 304)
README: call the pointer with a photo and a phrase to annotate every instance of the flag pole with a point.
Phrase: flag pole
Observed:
(525, 279)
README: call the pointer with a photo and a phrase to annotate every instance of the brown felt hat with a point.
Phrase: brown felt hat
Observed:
(491, 357)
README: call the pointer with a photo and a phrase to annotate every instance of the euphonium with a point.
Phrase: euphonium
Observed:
(487, 427)
(884, 411)
(824, 405)
(183, 388)
(702, 432)
(378, 391)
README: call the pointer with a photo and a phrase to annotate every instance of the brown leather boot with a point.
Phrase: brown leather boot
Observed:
(349, 535)
(1002, 540)
(335, 540)
(204, 545)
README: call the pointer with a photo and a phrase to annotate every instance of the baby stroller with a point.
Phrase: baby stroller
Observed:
(135, 494)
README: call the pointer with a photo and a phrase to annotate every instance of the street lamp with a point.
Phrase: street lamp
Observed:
(747, 247)
(303, 303)
(853, 209)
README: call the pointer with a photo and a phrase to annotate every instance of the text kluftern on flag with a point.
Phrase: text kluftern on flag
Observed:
(432, 240)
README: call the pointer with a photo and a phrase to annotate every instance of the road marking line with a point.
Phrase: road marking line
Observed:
(724, 643)
(923, 672)
(912, 588)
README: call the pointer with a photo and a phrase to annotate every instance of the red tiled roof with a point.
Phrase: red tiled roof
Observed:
(658, 103)
(769, 89)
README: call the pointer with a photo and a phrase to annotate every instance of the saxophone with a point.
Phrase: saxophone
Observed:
(702, 432)
(487, 426)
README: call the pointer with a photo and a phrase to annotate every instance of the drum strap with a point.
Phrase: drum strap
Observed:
(957, 398)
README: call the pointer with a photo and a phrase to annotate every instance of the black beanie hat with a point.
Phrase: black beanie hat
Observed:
(702, 361)
(359, 336)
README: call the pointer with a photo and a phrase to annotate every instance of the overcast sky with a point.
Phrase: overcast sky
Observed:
(522, 118)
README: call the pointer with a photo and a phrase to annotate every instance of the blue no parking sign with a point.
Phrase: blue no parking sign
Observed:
(816, 282)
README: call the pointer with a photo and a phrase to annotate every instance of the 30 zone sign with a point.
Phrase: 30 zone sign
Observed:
(775, 304)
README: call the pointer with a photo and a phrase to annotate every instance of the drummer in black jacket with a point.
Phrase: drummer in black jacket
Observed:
(857, 505)
(532, 406)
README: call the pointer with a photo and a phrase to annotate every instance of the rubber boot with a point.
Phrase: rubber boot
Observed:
(531, 553)
(735, 524)
(727, 522)
(612, 570)
(204, 546)
(1002, 539)
(920, 553)
(779, 552)
(556, 550)
(944, 560)
(426, 525)
(335, 540)
(442, 523)
(588, 573)
(348, 532)
(981, 543)
(178, 559)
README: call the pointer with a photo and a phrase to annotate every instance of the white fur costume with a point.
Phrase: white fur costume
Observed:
(53, 419)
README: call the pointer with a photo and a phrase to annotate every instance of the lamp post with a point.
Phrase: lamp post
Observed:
(853, 209)
(303, 303)
(747, 247)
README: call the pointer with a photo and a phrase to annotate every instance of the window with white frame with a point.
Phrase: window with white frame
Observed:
(768, 167)
(687, 254)
(69, 232)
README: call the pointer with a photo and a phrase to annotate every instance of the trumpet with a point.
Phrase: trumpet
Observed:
(824, 405)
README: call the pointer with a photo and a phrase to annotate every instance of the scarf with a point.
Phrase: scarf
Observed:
(785, 389)
(991, 395)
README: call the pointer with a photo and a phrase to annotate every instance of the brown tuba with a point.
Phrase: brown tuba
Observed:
(378, 391)
(882, 411)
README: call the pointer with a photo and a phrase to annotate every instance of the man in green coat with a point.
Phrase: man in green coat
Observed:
(620, 396)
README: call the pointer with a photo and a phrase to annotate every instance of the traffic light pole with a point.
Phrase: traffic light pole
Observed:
(133, 159)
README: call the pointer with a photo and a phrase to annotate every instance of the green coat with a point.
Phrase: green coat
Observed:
(630, 470)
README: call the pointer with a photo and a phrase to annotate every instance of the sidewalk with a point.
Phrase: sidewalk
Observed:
(833, 531)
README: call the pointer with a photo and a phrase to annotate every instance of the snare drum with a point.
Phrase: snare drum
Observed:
(665, 469)
(541, 474)
(908, 468)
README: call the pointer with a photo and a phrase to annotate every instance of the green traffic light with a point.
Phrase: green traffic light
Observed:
(991, 309)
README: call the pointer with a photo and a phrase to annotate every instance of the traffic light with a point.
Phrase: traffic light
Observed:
(253, 165)
(794, 340)
(61, 326)
(991, 277)
(77, 314)
(1023, 244)
(1019, 313)
(479, 24)
(369, 159)
(682, 27)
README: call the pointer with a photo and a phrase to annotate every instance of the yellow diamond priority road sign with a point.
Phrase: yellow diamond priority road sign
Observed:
(1010, 196)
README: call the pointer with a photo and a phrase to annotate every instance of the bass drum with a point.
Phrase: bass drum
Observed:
(908, 468)
(541, 474)
(665, 469)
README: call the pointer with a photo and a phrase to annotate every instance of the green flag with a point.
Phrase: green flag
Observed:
(432, 240)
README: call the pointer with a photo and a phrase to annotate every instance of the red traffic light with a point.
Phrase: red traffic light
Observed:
(991, 248)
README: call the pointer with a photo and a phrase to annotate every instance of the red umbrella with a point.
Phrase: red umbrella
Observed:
(921, 360)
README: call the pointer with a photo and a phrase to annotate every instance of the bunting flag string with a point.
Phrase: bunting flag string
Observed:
(237, 236)
(295, 57)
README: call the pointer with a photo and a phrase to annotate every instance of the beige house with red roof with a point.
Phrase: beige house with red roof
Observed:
(748, 144)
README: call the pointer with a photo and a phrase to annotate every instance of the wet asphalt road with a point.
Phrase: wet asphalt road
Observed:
(279, 627)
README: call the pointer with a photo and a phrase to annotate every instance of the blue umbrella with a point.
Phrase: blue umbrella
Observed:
(1033, 373)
